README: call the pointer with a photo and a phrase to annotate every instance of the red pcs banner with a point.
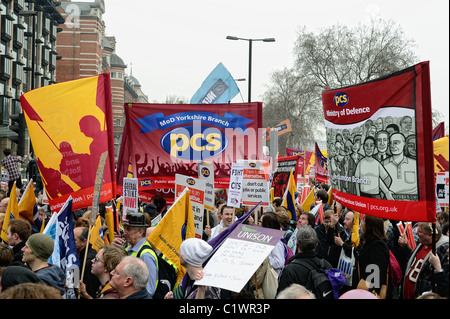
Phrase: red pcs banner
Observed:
(161, 140)
(380, 146)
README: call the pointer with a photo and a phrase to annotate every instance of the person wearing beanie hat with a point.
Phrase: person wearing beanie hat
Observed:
(193, 253)
(14, 275)
(36, 252)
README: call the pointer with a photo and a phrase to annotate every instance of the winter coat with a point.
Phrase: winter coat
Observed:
(425, 275)
(294, 273)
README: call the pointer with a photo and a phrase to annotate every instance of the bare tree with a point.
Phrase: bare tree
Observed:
(175, 99)
(292, 97)
(336, 56)
(339, 56)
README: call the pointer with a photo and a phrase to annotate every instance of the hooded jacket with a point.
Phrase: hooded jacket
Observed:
(53, 276)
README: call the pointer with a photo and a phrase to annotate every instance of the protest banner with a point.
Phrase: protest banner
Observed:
(235, 189)
(282, 172)
(70, 126)
(220, 196)
(380, 147)
(239, 256)
(130, 196)
(197, 196)
(206, 173)
(321, 166)
(161, 140)
(255, 188)
(442, 188)
(306, 160)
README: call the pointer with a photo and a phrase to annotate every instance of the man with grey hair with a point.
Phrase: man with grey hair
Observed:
(295, 291)
(130, 279)
(298, 269)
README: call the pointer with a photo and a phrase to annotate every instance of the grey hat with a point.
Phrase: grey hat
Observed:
(41, 245)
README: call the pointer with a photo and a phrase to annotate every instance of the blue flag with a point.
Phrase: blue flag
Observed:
(65, 255)
(218, 87)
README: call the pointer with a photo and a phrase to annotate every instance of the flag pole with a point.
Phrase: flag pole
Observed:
(433, 249)
(95, 203)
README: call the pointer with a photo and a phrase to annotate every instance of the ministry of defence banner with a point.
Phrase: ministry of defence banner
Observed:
(168, 139)
(380, 150)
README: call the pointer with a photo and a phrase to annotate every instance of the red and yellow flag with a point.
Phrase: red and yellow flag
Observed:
(70, 126)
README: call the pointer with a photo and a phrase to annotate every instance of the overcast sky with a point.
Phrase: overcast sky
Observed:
(173, 45)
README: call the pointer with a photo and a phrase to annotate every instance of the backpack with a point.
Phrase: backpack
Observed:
(395, 270)
(287, 253)
(167, 276)
(318, 281)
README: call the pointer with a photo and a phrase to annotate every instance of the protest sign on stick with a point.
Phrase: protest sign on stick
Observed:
(197, 196)
(233, 264)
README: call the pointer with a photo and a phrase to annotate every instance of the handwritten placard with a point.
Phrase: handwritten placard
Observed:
(239, 257)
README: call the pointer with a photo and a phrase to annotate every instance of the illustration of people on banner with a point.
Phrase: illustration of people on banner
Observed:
(376, 151)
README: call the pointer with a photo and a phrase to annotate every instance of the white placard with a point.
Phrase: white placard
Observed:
(130, 196)
(442, 188)
(235, 188)
(206, 173)
(255, 183)
(196, 194)
(239, 257)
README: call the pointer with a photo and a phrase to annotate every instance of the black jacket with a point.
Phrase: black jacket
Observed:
(372, 260)
(294, 273)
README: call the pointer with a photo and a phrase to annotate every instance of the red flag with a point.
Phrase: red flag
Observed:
(439, 131)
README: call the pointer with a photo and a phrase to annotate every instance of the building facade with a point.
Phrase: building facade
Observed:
(27, 56)
(86, 51)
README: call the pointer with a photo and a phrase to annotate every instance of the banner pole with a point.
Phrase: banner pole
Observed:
(95, 204)
(433, 249)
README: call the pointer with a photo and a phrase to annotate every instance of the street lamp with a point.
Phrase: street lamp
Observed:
(250, 41)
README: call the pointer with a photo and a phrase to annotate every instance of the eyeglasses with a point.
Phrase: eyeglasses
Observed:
(115, 272)
(96, 260)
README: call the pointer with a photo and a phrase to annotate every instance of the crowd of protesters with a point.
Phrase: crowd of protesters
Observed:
(128, 267)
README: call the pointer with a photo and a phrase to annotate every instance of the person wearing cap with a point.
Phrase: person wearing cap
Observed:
(135, 229)
(193, 253)
(36, 252)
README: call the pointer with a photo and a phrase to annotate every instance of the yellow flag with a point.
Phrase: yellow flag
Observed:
(355, 230)
(272, 194)
(308, 201)
(27, 204)
(167, 235)
(109, 219)
(330, 196)
(12, 212)
(97, 240)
